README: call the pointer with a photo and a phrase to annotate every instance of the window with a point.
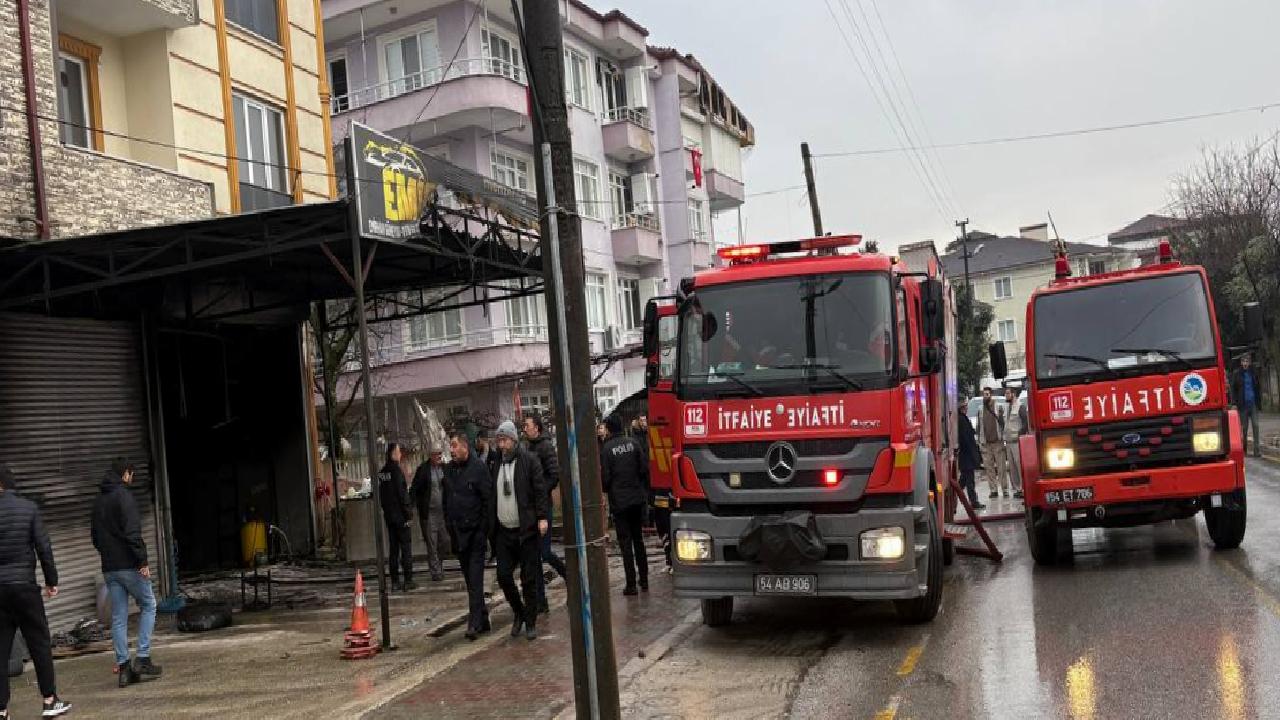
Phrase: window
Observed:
(79, 102)
(256, 16)
(613, 85)
(260, 149)
(503, 54)
(1097, 267)
(536, 403)
(412, 61)
(527, 316)
(904, 334)
(606, 398)
(586, 179)
(1007, 331)
(619, 195)
(596, 316)
(577, 84)
(1004, 288)
(629, 314)
(437, 329)
(697, 226)
(338, 87)
(509, 169)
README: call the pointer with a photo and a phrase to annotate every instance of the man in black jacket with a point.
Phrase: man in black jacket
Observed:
(427, 492)
(397, 511)
(117, 535)
(22, 539)
(538, 443)
(468, 493)
(969, 458)
(518, 517)
(625, 477)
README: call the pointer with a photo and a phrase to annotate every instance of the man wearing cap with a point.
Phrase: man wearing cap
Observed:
(427, 494)
(519, 520)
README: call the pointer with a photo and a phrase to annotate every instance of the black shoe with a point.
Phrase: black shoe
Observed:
(530, 632)
(1018, 494)
(630, 590)
(644, 586)
(410, 585)
(994, 495)
(52, 708)
(437, 577)
(517, 627)
(145, 668)
(397, 586)
(544, 608)
(126, 675)
(471, 634)
(979, 506)
(485, 626)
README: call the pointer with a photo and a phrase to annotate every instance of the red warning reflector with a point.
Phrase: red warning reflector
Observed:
(830, 477)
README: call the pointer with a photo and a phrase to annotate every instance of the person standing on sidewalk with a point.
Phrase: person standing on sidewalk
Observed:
(393, 491)
(519, 520)
(468, 493)
(427, 493)
(990, 431)
(22, 540)
(969, 458)
(624, 475)
(117, 535)
(538, 443)
(1014, 418)
(1246, 393)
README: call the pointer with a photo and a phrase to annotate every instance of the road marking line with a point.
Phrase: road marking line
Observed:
(908, 665)
(890, 711)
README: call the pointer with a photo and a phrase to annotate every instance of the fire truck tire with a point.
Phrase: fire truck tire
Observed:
(1049, 542)
(925, 608)
(1226, 524)
(717, 612)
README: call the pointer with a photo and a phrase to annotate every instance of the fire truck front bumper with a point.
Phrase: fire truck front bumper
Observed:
(842, 571)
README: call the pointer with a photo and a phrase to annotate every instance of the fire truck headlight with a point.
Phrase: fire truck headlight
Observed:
(1206, 434)
(693, 546)
(887, 543)
(1058, 453)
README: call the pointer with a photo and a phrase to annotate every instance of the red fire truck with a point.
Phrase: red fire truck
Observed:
(1127, 398)
(802, 412)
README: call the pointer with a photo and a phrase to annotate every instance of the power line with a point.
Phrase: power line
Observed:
(1055, 134)
(445, 75)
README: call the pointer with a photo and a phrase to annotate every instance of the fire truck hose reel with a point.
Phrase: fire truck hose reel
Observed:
(783, 543)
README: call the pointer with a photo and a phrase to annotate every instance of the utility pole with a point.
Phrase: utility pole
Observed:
(964, 245)
(595, 667)
(813, 193)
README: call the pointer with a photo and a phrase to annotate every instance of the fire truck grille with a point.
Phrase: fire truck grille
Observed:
(804, 448)
(1133, 444)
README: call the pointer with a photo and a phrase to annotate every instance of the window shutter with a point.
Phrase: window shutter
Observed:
(637, 87)
(644, 194)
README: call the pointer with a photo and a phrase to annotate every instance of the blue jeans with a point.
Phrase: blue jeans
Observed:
(123, 584)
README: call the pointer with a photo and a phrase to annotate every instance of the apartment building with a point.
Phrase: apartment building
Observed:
(658, 152)
(1144, 235)
(152, 111)
(1006, 270)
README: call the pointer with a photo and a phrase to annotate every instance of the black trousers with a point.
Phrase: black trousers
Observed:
(967, 482)
(662, 522)
(550, 558)
(635, 561)
(400, 540)
(514, 551)
(472, 546)
(22, 608)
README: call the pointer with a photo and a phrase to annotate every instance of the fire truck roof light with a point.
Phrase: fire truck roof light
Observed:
(830, 241)
(1062, 267)
(744, 253)
(752, 253)
(1166, 251)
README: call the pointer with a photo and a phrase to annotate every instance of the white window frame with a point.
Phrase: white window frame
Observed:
(602, 288)
(539, 400)
(1089, 265)
(86, 122)
(609, 392)
(433, 340)
(533, 307)
(1007, 280)
(697, 219)
(384, 73)
(512, 69)
(1012, 335)
(498, 151)
(619, 195)
(270, 163)
(630, 315)
(575, 95)
(588, 207)
(329, 60)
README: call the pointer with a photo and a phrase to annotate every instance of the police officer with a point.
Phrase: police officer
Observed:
(625, 477)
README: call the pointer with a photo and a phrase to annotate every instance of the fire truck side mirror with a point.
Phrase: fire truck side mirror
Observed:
(1253, 323)
(651, 375)
(999, 363)
(935, 318)
(650, 340)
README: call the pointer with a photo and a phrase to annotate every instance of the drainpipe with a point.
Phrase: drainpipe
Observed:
(33, 122)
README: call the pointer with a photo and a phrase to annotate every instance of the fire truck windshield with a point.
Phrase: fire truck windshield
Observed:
(1123, 329)
(791, 335)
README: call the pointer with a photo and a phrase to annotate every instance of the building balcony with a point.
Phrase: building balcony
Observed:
(637, 239)
(256, 197)
(129, 17)
(472, 92)
(723, 191)
(628, 135)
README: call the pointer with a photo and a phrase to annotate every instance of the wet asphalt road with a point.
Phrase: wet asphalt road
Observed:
(1148, 623)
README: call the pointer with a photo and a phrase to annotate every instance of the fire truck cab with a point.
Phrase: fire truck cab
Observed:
(802, 412)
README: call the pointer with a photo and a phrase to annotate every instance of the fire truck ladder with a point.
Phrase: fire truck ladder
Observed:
(958, 531)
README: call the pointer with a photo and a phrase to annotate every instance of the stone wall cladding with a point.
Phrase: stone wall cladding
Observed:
(17, 188)
(185, 9)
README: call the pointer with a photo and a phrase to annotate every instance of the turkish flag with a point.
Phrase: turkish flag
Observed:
(696, 156)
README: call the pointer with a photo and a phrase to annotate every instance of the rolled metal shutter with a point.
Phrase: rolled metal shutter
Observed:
(71, 399)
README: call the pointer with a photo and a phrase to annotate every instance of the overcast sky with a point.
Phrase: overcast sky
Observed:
(980, 69)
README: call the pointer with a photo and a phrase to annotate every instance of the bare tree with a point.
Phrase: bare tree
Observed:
(339, 350)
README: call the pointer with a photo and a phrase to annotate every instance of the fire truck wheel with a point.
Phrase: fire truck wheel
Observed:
(717, 612)
(925, 608)
(1049, 542)
(1226, 524)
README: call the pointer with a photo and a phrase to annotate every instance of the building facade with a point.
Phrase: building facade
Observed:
(1144, 235)
(658, 150)
(158, 111)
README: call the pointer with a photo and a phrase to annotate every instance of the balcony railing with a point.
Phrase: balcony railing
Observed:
(462, 67)
(256, 197)
(643, 221)
(636, 116)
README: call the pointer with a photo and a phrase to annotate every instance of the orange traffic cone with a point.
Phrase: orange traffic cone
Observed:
(358, 642)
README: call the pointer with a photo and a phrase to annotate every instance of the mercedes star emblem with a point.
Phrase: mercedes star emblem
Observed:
(780, 462)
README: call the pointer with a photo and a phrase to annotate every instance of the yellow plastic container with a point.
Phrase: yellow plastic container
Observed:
(253, 540)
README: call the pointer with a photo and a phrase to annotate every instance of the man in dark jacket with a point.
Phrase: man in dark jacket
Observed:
(22, 540)
(1247, 395)
(117, 534)
(518, 516)
(538, 443)
(427, 492)
(397, 513)
(468, 493)
(969, 458)
(625, 477)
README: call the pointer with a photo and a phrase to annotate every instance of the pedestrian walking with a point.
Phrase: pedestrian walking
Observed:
(969, 458)
(397, 511)
(539, 443)
(489, 457)
(117, 535)
(990, 435)
(1245, 392)
(1016, 424)
(518, 519)
(427, 493)
(625, 477)
(22, 540)
(468, 493)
